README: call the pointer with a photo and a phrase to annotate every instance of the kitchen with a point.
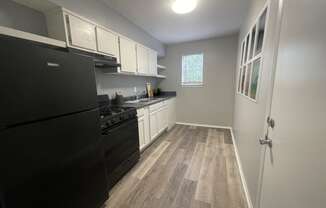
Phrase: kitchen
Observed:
(185, 104)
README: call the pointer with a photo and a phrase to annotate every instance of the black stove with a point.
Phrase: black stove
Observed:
(119, 138)
(112, 115)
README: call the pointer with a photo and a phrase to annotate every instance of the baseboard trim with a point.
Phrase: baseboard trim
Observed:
(204, 125)
(243, 179)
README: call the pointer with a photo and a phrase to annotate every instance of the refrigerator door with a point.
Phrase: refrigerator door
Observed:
(38, 82)
(56, 163)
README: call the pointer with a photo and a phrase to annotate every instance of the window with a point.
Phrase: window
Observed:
(250, 58)
(192, 70)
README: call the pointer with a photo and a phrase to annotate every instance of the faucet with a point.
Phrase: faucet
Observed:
(135, 91)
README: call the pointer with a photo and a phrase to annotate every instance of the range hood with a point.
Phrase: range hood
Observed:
(107, 64)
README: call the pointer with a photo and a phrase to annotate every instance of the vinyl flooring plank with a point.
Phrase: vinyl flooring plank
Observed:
(167, 173)
(200, 204)
(150, 161)
(185, 194)
(174, 183)
(196, 162)
(205, 190)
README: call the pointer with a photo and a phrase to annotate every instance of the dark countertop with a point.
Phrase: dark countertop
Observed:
(153, 101)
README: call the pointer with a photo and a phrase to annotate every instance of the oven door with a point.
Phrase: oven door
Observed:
(121, 144)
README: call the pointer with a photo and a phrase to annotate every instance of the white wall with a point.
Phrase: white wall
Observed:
(212, 103)
(109, 84)
(16, 16)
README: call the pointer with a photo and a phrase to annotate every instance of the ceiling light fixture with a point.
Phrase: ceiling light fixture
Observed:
(183, 6)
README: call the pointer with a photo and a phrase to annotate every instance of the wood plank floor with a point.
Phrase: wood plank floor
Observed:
(188, 167)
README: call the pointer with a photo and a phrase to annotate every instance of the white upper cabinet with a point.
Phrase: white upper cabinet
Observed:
(81, 33)
(152, 62)
(107, 42)
(84, 34)
(128, 56)
(142, 60)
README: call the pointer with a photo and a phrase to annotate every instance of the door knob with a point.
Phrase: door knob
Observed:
(266, 141)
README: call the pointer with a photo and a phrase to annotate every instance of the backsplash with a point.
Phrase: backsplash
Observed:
(110, 84)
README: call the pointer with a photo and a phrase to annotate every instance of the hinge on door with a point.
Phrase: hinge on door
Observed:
(68, 28)
(270, 122)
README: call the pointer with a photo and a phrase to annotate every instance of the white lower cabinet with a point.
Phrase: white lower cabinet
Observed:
(172, 112)
(141, 132)
(162, 115)
(152, 121)
(143, 127)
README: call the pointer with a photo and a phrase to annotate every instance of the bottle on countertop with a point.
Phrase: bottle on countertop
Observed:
(149, 90)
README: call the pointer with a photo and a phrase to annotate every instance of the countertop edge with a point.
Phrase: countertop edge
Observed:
(143, 105)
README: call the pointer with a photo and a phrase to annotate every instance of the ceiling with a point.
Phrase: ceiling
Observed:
(211, 18)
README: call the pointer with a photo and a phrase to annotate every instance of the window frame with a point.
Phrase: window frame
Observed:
(244, 64)
(192, 84)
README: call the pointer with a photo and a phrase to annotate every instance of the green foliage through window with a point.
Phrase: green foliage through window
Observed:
(192, 69)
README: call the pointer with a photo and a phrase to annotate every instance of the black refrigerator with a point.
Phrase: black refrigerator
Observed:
(49, 128)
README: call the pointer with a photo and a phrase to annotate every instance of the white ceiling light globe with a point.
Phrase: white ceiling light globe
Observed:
(184, 6)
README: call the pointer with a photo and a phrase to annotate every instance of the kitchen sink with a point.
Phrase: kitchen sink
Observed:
(132, 101)
(143, 100)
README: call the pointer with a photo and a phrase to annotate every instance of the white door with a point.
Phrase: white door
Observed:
(295, 165)
(152, 58)
(142, 60)
(107, 42)
(153, 124)
(147, 126)
(171, 112)
(128, 57)
(160, 119)
(165, 116)
(82, 34)
(141, 132)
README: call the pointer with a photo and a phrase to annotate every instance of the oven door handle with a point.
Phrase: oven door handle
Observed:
(120, 125)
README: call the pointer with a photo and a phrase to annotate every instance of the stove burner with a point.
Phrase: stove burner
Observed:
(111, 115)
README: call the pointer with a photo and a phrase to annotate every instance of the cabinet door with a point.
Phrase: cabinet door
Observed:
(81, 33)
(107, 42)
(152, 62)
(142, 60)
(153, 125)
(128, 57)
(147, 135)
(171, 113)
(165, 117)
(141, 132)
(160, 118)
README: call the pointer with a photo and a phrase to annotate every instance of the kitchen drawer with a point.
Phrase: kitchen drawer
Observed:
(164, 103)
(140, 112)
(155, 107)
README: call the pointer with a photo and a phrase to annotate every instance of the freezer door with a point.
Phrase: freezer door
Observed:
(55, 163)
(38, 82)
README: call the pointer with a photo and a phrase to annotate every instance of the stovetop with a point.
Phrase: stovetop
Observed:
(109, 111)
(112, 115)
